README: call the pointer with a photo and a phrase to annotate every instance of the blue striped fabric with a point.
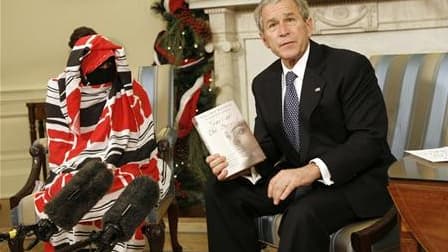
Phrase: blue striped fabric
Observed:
(417, 107)
(381, 70)
(438, 119)
(405, 105)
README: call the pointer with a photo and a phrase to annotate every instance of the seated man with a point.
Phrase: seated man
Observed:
(95, 110)
(321, 122)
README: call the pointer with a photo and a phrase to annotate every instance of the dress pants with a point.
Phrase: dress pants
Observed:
(308, 220)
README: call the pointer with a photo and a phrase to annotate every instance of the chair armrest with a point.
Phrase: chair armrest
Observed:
(38, 154)
(362, 240)
(166, 139)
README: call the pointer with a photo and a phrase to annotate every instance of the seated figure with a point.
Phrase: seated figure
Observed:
(95, 110)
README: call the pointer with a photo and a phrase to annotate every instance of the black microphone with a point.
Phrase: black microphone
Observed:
(130, 209)
(124, 217)
(74, 200)
(82, 192)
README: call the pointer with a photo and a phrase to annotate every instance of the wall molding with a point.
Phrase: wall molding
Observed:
(12, 102)
(24, 95)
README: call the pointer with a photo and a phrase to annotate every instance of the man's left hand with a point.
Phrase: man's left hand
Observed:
(287, 180)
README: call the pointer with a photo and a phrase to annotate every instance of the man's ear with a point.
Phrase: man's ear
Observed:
(264, 40)
(310, 26)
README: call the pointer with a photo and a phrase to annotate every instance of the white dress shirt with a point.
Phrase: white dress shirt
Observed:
(299, 70)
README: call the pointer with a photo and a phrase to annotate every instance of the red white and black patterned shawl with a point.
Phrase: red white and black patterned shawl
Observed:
(111, 121)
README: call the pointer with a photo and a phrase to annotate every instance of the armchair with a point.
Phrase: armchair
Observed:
(36, 119)
(415, 90)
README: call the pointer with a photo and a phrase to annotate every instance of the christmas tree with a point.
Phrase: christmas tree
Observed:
(186, 44)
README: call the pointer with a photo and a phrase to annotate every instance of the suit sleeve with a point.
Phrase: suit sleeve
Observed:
(266, 168)
(365, 120)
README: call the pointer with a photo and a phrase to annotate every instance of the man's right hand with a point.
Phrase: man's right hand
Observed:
(218, 165)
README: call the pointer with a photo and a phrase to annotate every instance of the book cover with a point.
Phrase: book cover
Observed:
(224, 131)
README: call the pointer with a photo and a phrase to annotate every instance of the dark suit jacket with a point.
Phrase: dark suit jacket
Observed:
(343, 121)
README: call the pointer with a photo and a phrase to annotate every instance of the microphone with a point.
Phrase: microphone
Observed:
(130, 209)
(124, 217)
(83, 191)
(75, 199)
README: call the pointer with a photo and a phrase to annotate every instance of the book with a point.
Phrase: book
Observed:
(432, 155)
(224, 131)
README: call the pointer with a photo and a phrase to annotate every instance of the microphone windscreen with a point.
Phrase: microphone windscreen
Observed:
(131, 207)
(80, 194)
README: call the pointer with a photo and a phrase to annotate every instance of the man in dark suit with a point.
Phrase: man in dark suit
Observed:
(321, 121)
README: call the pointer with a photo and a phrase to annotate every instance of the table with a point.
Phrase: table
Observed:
(419, 190)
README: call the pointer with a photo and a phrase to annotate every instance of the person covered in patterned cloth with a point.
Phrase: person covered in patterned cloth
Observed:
(95, 110)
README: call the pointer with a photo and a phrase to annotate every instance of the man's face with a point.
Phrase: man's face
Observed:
(285, 31)
(240, 135)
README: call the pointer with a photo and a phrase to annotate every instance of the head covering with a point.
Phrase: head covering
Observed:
(99, 50)
(88, 53)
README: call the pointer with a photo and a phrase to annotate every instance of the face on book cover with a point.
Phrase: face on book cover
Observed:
(241, 136)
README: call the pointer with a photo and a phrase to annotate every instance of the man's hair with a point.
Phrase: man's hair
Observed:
(79, 33)
(302, 5)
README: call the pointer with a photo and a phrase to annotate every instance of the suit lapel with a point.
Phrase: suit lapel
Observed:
(274, 94)
(310, 97)
(311, 94)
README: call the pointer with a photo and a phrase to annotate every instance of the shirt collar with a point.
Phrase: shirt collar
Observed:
(299, 67)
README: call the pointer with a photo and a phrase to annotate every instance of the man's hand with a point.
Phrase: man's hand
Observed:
(287, 180)
(218, 165)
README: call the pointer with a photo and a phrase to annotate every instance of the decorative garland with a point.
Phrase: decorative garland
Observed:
(183, 44)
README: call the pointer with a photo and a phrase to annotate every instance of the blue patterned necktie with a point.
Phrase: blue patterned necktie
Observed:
(291, 111)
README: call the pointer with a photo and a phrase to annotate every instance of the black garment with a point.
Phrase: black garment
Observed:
(232, 207)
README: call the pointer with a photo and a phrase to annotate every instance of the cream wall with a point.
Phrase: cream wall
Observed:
(34, 36)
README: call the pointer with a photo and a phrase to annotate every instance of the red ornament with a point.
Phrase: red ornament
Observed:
(172, 6)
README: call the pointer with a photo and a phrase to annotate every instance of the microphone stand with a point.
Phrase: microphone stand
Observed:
(43, 230)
